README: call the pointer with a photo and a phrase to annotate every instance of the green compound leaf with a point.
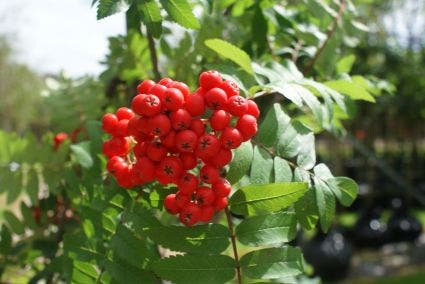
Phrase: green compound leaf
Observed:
(242, 158)
(202, 269)
(82, 154)
(272, 263)
(124, 273)
(325, 201)
(231, 52)
(262, 167)
(267, 229)
(181, 12)
(351, 89)
(261, 199)
(107, 8)
(205, 239)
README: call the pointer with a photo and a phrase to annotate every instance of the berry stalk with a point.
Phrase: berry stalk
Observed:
(233, 239)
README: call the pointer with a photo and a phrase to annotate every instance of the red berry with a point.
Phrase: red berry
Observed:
(159, 91)
(171, 167)
(160, 125)
(60, 137)
(156, 151)
(204, 196)
(124, 113)
(220, 119)
(186, 141)
(145, 168)
(209, 174)
(207, 212)
(147, 105)
(208, 146)
(223, 157)
(173, 99)
(209, 79)
(182, 200)
(116, 164)
(170, 204)
(165, 81)
(190, 214)
(117, 146)
(189, 160)
(124, 178)
(247, 125)
(188, 183)
(253, 109)
(133, 126)
(139, 149)
(121, 129)
(237, 105)
(231, 138)
(222, 187)
(220, 203)
(180, 86)
(180, 119)
(109, 122)
(169, 140)
(145, 86)
(216, 98)
(230, 87)
(195, 104)
(197, 126)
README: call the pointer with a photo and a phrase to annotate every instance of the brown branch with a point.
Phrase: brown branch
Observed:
(329, 33)
(233, 238)
(154, 57)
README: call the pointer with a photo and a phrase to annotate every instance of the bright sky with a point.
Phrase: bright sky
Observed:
(54, 35)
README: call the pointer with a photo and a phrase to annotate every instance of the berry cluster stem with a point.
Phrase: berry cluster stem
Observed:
(233, 239)
(154, 57)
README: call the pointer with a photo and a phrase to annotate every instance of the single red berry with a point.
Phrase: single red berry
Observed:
(253, 109)
(237, 105)
(209, 79)
(165, 81)
(231, 138)
(117, 146)
(159, 125)
(169, 140)
(197, 126)
(189, 160)
(173, 99)
(109, 123)
(145, 168)
(139, 149)
(116, 164)
(216, 98)
(171, 167)
(220, 119)
(190, 214)
(170, 204)
(60, 137)
(182, 200)
(180, 119)
(209, 174)
(135, 177)
(156, 151)
(208, 146)
(230, 87)
(180, 86)
(124, 178)
(121, 129)
(247, 125)
(145, 86)
(188, 183)
(124, 113)
(159, 91)
(162, 179)
(220, 203)
(207, 212)
(204, 196)
(147, 105)
(223, 157)
(222, 187)
(195, 104)
(133, 126)
(186, 141)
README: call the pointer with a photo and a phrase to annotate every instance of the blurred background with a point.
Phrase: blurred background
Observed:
(55, 54)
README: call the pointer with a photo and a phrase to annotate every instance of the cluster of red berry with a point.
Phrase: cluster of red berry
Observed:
(59, 138)
(169, 131)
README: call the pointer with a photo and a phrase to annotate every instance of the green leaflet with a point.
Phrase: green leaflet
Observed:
(272, 263)
(231, 52)
(268, 229)
(242, 158)
(193, 269)
(260, 199)
(205, 239)
(181, 12)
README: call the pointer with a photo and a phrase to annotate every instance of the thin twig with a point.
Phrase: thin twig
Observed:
(329, 34)
(233, 238)
(154, 57)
